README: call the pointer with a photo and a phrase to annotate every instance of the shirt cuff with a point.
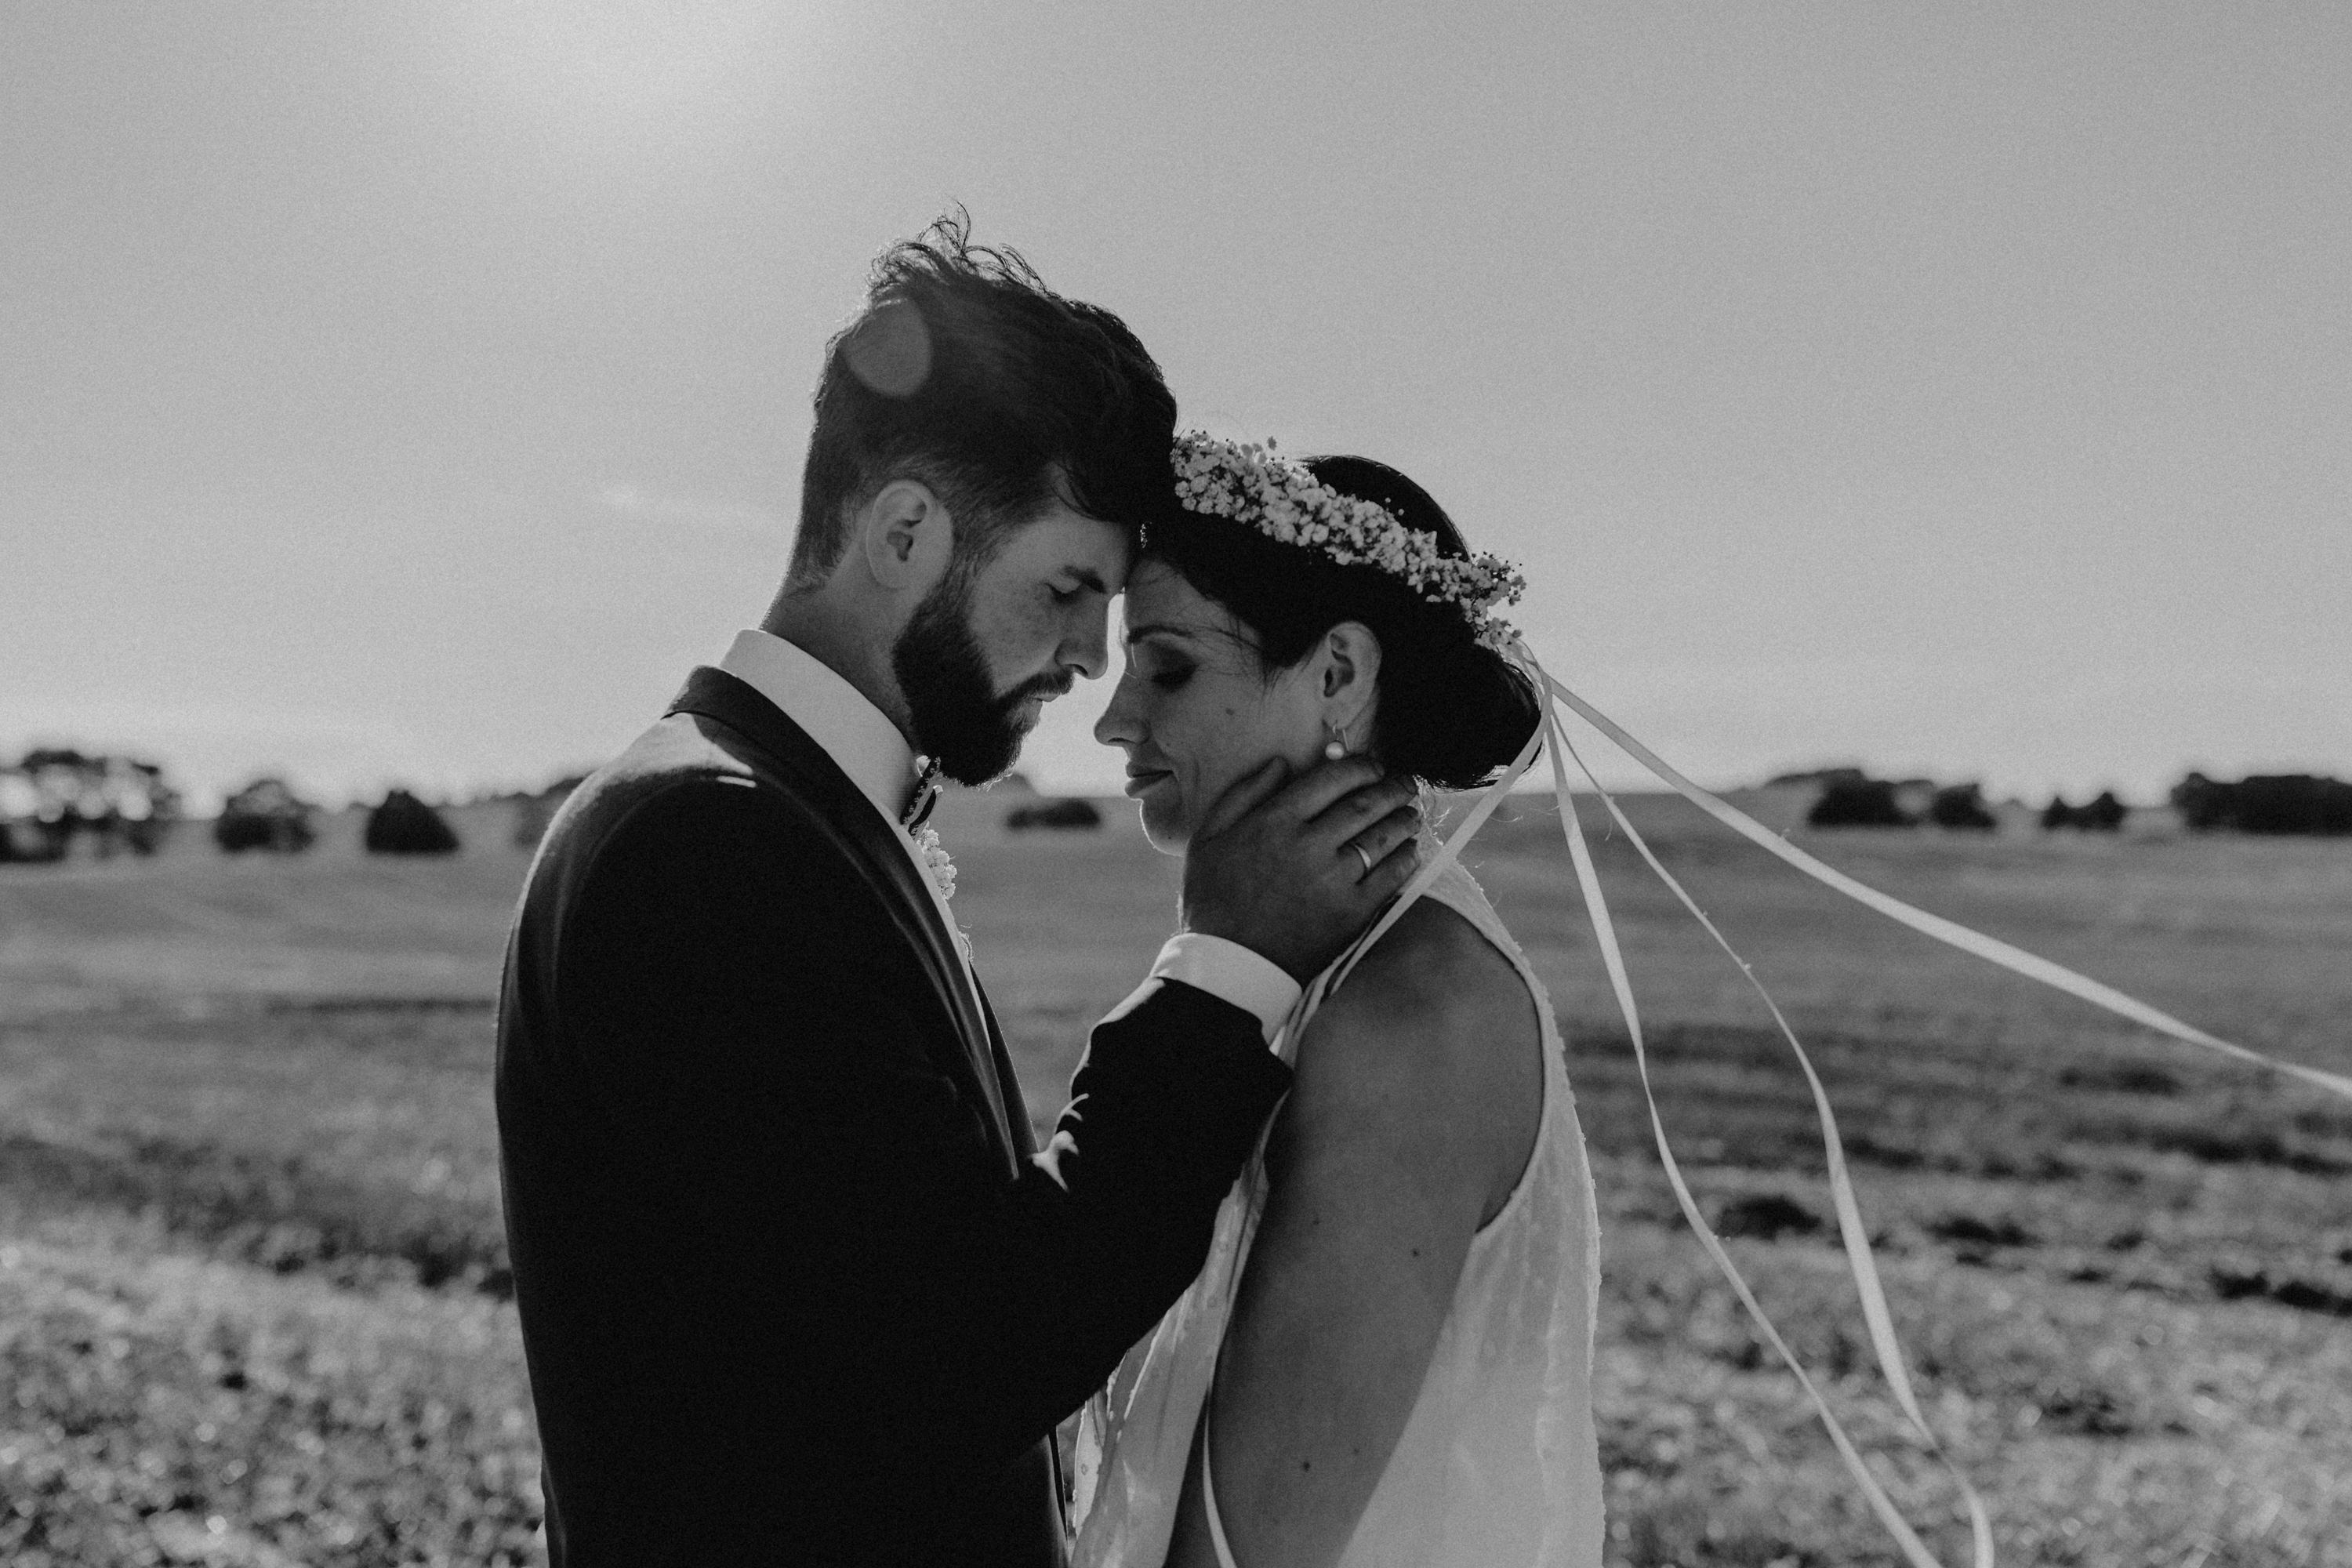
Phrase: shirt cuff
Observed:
(1227, 971)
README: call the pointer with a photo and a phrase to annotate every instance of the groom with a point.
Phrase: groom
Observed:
(794, 1286)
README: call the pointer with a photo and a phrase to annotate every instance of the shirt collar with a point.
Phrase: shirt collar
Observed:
(857, 736)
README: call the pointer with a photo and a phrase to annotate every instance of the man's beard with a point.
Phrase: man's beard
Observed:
(961, 721)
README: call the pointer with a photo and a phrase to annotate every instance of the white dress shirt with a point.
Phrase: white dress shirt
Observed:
(868, 748)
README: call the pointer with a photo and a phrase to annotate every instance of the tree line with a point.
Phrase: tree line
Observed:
(2259, 803)
(55, 797)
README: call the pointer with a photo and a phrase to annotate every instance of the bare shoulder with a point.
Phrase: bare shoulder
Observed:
(1433, 1042)
(1432, 989)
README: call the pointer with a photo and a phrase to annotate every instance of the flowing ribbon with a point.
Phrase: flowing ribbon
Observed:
(1990, 949)
(1852, 1232)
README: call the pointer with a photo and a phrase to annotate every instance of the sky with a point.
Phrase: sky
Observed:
(414, 393)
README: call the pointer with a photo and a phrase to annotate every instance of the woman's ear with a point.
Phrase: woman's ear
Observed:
(1348, 680)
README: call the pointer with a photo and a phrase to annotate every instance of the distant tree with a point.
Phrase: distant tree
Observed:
(1961, 806)
(2102, 814)
(1066, 811)
(2106, 814)
(265, 815)
(1858, 802)
(1818, 776)
(58, 794)
(2204, 803)
(20, 818)
(2293, 802)
(141, 807)
(2266, 802)
(403, 825)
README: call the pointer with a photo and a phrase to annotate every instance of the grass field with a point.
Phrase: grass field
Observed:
(252, 1290)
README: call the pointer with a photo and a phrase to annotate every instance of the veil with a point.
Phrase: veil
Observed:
(1151, 1391)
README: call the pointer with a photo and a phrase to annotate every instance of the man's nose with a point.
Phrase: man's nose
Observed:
(1087, 650)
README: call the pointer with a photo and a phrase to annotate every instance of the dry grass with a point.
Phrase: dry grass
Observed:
(251, 1279)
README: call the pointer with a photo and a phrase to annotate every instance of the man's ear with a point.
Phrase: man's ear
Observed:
(1348, 677)
(906, 536)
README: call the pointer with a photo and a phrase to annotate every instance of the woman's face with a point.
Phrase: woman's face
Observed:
(1193, 711)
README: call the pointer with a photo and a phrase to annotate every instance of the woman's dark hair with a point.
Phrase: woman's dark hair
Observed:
(1450, 711)
(963, 370)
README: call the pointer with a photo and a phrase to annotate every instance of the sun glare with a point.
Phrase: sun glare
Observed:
(629, 81)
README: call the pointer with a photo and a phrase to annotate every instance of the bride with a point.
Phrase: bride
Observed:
(1388, 1357)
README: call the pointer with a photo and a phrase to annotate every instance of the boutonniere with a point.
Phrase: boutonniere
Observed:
(927, 840)
(935, 860)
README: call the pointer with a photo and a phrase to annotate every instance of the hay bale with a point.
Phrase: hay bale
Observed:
(403, 825)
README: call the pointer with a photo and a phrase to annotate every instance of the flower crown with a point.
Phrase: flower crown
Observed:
(1282, 498)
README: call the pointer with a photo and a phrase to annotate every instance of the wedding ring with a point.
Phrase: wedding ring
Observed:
(1364, 855)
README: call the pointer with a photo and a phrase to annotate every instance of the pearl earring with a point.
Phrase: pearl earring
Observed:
(1337, 747)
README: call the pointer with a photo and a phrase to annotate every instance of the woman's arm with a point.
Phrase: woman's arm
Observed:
(1418, 1095)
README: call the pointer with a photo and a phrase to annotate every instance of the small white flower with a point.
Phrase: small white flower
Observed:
(1282, 498)
(936, 860)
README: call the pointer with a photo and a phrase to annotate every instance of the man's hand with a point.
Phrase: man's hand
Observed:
(1293, 872)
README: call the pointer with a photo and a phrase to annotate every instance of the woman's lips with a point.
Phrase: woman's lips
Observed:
(1138, 781)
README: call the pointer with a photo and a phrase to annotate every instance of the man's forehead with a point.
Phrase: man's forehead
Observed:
(1159, 593)
(1063, 537)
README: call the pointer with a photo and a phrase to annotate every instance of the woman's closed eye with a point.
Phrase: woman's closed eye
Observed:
(1171, 676)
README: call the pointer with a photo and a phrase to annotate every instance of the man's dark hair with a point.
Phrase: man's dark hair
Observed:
(964, 371)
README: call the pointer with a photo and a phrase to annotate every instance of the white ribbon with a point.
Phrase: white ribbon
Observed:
(1850, 1227)
(1852, 1232)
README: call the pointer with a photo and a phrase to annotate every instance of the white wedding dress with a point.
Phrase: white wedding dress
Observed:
(1498, 1466)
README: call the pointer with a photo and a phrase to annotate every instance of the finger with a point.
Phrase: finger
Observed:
(1383, 837)
(1351, 813)
(1314, 791)
(1391, 872)
(1243, 795)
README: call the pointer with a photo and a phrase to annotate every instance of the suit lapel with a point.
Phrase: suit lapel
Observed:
(806, 769)
(1009, 1083)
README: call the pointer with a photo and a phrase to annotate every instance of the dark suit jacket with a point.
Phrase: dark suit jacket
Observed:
(791, 1289)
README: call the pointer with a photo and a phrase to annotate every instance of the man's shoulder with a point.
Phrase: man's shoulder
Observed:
(687, 757)
(687, 781)
(672, 757)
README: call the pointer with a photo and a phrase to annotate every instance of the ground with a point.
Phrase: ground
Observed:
(253, 1302)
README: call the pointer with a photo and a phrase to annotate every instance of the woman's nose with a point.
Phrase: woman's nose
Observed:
(1118, 726)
